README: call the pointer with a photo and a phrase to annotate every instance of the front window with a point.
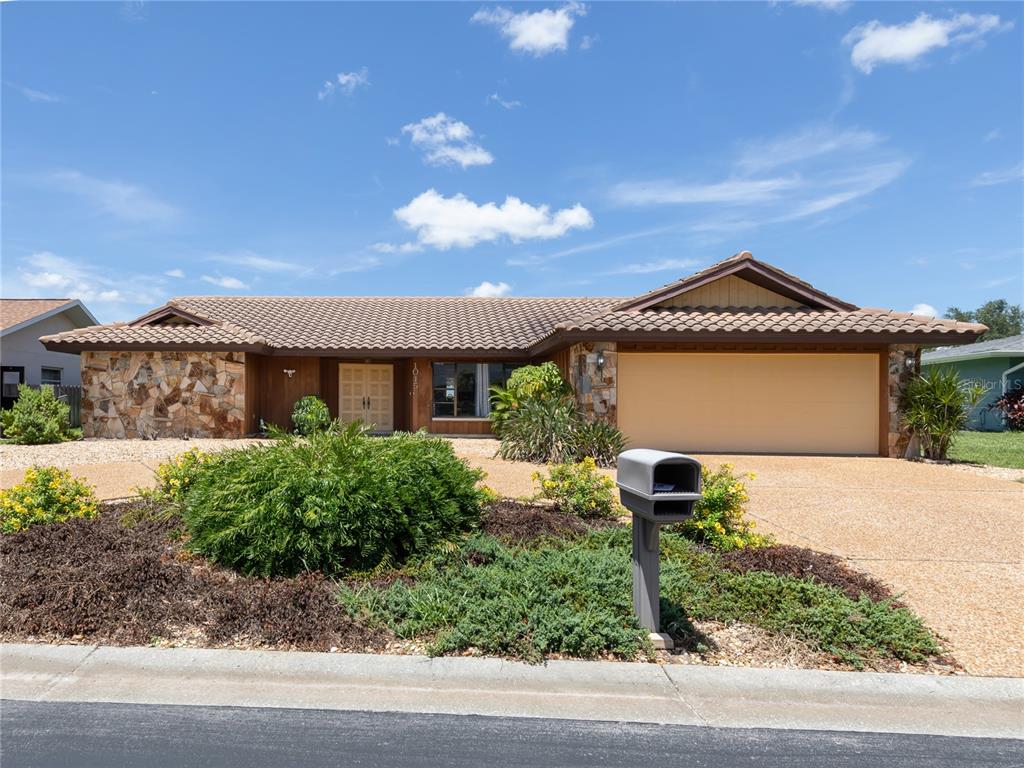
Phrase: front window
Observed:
(50, 376)
(462, 390)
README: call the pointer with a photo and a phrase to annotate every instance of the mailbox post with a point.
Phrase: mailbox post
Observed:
(658, 487)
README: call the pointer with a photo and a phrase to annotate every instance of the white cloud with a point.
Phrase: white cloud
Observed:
(538, 32)
(992, 135)
(588, 42)
(827, 5)
(926, 310)
(648, 267)
(445, 222)
(807, 144)
(876, 43)
(356, 264)
(599, 245)
(494, 98)
(52, 274)
(39, 97)
(401, 248)
(490, 290)
(178, 273)
(999, 176)
(225, 281)
(122, 200)
(447, 141)
(661, 192)
(344, 83)
(250, 260)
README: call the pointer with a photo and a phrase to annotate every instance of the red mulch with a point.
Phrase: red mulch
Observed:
(518, 522)
(99, 581)
(786, 560)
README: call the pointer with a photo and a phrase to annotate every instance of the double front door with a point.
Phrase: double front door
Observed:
(366, 394)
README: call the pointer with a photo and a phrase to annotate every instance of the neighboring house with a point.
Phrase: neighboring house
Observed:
(997, 364)
(740, 357)
(23, 358)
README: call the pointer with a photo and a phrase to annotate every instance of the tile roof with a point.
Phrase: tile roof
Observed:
(1013, 346)
(16, 311)
(776, 320)
(125, 334)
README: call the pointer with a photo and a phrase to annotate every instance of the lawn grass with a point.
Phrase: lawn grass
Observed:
(573, 598)
(997, 449)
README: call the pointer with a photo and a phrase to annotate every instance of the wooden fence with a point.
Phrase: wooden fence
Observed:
(72, 395)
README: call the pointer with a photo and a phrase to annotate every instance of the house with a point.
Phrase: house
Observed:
(740, 357)
(23, 358)
(997, 364)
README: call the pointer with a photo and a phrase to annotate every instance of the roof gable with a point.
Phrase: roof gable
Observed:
(728, 291)
(16, 314)
(170, 314)
(745, 267)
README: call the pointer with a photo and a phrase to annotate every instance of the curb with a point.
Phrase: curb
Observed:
(580, 690)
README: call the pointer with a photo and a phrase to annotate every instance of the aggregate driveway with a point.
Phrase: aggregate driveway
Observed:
(952, 541)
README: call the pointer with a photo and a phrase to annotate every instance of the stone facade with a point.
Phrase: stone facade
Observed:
(900, 371)
(163, 394)
(595, 386)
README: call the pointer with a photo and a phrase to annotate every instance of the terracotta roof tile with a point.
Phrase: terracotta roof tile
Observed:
(16, 311)
(219, 334)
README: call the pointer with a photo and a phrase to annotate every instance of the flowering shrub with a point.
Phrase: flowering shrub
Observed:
(175, 477)
(578, 489)
(46, 495)
(719, 517)
(1012, 406)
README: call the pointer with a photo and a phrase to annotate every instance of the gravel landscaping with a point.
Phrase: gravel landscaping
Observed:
(150, 452)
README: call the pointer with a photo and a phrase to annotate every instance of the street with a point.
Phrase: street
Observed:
(53, 734)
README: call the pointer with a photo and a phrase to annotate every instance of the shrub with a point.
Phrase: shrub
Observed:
(37, 417)
(578, 489)
(310, 414)
(175, 477)
(336, 501)
(1012, 406)
(719, 519)
(935, 406)
(46, 495)
(528, 383)
(555, 431)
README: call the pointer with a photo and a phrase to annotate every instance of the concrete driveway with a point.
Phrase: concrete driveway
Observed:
(951, 540)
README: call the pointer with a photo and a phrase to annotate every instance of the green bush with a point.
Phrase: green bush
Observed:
(555, 431)
(336, 501)
(46, 495)
(37, 417)
(578, 489)
(310, 414)
(530, 382)
(575, 599)
(175, 477)
(936, 405)
(719, 519)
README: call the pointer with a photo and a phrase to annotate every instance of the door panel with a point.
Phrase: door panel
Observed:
(366, 394)
(352, 392)
(750, 402)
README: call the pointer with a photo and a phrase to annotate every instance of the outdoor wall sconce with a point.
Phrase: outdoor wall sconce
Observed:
(289, 372)
(600, 361)
(910, 361)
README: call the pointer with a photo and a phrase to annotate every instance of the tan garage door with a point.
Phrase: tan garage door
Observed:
(751, 402)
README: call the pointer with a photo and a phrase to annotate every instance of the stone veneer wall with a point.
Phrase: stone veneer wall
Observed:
(163, 394)
(595, 390)
(899, 375)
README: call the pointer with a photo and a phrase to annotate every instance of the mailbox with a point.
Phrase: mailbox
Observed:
(658, 487)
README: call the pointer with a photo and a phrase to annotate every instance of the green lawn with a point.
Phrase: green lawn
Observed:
(997, 449)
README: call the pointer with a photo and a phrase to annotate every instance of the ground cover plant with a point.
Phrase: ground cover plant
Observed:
(37, 417)
(335, 501)
(45, 495)
(996, 449)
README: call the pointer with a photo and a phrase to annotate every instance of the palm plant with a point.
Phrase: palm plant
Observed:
(935, 406)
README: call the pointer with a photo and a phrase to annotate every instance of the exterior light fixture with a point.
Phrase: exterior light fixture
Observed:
(289, 372)
(600, 360)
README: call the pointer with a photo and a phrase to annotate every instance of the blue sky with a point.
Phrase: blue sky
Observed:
(161, 149)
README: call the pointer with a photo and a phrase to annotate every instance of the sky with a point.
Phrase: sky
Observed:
(152, 150)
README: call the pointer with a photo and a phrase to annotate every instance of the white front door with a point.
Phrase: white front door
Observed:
(366, 394)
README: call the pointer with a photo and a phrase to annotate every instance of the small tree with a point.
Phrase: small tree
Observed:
(1002, 318)
(37, 417)
(935, 406)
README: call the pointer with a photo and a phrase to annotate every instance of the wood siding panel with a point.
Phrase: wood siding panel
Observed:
(459, 427)
(730, 291)
(253, 389)
(278, 391)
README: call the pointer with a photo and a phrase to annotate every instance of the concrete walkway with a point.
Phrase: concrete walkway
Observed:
(650, 693)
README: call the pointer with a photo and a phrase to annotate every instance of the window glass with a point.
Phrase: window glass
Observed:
(444, 389)
(498, 373)
(463, 389)
(50, 376)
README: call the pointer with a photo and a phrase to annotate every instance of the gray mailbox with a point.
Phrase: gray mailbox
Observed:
(657, 487)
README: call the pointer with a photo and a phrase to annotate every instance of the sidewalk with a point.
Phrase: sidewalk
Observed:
(641, 693)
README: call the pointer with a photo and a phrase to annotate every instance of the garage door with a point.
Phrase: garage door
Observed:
(750, 403)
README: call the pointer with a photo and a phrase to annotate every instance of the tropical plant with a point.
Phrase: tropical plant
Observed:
(935, 406)
(37, 417)
(554, 431)
(525, 384)
(719, 518)
(578, 489)
(335, 501)
(1012, 406)
(310, 414)
(46, 495)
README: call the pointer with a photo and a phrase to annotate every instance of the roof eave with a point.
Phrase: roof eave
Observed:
(968, 355)
(99, 346)
(74, 304)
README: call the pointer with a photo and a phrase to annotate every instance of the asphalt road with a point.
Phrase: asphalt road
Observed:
(110, 735)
